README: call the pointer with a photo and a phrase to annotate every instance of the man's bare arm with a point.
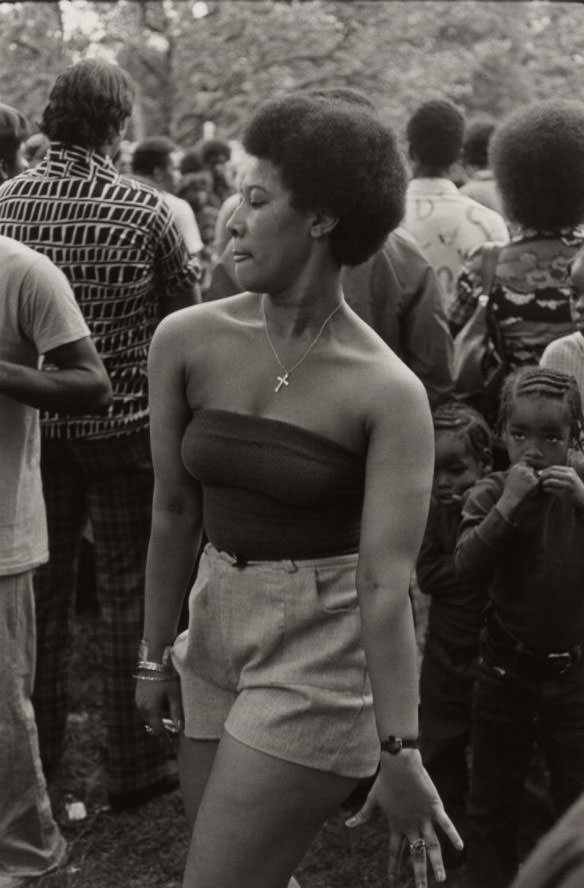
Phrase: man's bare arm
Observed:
(79, 384)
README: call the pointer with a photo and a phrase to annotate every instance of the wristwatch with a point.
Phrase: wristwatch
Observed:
(394, 745)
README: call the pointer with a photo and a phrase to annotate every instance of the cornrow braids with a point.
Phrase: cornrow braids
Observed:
(458, 416)
(543, 383)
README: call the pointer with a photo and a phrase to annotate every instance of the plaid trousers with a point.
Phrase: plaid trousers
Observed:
(111, 482)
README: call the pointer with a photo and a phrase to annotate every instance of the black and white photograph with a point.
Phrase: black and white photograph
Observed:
(291, 444)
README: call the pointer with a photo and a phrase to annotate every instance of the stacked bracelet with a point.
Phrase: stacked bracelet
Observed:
(150, 670)
(167, 676)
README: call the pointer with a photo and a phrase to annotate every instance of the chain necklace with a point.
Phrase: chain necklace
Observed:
(286, 372)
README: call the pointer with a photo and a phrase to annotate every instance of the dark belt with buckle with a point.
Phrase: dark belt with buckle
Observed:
(520, 659)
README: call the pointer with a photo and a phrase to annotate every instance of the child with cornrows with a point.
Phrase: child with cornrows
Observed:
(523, 529)
(463, 454)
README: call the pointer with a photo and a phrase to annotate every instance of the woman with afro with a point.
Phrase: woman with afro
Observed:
(537, 156)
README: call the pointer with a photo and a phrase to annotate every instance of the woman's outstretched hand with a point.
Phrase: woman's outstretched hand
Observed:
(404, 791)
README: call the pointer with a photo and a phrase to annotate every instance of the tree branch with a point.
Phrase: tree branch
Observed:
(159, 71)
(295, 59)
(306, 57)
(24, 45)
(236, 34)
(330, 76)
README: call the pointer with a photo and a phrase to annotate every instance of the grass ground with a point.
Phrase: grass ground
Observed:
(146, 848)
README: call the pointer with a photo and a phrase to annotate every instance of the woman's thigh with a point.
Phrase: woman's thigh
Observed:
(257, 817)
(195, 760)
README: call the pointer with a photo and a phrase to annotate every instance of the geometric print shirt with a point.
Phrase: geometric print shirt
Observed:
(115, 241)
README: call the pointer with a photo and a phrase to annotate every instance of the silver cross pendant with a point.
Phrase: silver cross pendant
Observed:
(282, 380)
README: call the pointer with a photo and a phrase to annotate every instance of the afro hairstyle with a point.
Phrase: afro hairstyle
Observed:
(336, 157)
(537, 157)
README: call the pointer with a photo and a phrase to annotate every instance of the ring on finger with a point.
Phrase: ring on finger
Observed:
(418, 849)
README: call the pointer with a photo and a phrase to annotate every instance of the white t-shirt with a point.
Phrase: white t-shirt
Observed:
(186, 223)
(38, 313)
(566, 355)
(448, 226)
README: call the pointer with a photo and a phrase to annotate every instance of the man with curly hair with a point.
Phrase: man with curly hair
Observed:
(446, 224)
(115, 241)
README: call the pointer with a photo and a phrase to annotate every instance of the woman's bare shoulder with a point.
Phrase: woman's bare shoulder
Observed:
(199, 321)
(395, 388)
(389, 380)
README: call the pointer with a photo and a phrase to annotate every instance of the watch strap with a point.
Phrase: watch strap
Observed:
(394, 745)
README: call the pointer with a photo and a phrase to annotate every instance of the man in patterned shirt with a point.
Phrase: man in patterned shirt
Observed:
(116, 243)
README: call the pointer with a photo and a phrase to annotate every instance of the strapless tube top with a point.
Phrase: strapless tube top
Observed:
(273, 490)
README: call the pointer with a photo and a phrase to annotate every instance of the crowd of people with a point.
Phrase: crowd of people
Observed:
(306, 394)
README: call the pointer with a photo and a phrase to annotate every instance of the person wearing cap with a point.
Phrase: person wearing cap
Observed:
(115, 240)
(38, 316)
(13, 131)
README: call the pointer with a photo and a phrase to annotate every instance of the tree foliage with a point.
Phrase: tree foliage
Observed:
(217, 65)
(32, 52)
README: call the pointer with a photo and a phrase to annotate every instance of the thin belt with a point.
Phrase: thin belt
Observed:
(288, 565)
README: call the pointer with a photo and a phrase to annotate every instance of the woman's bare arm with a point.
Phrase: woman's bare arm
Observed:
(397, 495)
(176, 509)
(398, 484)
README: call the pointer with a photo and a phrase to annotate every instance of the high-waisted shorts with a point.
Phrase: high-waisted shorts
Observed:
(273, 656)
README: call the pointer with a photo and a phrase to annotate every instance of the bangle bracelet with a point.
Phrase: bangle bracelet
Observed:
(150, 666)
(169, 676)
